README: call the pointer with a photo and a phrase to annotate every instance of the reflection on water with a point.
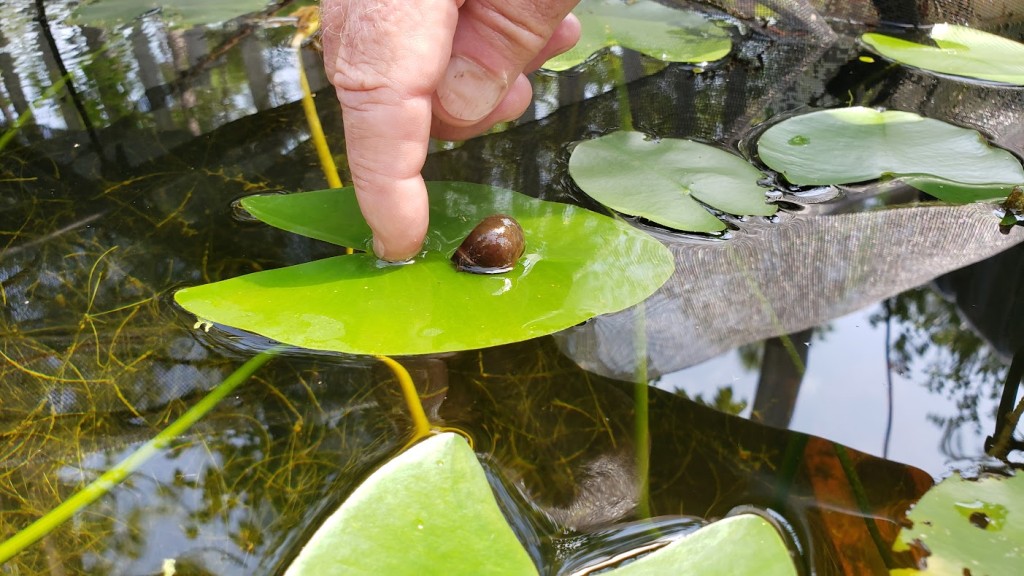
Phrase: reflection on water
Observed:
(111, 199)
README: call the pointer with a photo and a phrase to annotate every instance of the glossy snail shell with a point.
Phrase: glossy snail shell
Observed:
(492, 247)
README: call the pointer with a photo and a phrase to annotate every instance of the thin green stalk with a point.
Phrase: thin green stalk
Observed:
(622, 94)
(421, 424)
(861, 498)
(111, 478)
(641, 427)
(25, 116)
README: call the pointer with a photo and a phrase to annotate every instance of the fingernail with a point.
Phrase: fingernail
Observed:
(468, 91)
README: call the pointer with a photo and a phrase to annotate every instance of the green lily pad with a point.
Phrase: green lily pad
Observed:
(182, 12)
(430, 510)
(960, 51)
(577, 264)
(958, 193)
(744, 544)
(848, 145)
(968, 526)
(645, 26)
(668, 181)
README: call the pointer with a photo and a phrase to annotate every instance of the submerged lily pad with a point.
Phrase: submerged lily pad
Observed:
(849, 145)
(428, 511)
(577, 264)
(968, 526)
(645, 26)
(668, 181)
(744, 544)
(960, 51)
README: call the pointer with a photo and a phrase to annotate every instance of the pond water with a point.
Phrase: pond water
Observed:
(850, 340)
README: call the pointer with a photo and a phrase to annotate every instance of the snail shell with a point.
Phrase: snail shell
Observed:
(492, 247)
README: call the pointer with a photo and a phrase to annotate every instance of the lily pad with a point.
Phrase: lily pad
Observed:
(968, 526)
(848, 145)
(744, 544)
(645, 26)
(181, 12)
(577, 264)
(960, 51)
(668, 181)
(958, 193)
(428, 511)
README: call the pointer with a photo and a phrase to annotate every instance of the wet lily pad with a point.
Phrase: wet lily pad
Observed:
(968, 526)
(181, 12)
(577, 264)
(849, 145)
(645, 26)
(668, 181)
(960, 51)
(429, 510)
(744, 544)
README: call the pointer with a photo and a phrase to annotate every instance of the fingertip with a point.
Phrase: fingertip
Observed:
(398, 214)
(397, 249)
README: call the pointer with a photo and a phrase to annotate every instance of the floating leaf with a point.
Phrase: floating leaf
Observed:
(744, 544)
(428, 511)
(645, 26)
(958, 193)
(182, 12)
(577, 264)
(857, 144)
(668, 181)
(968, 527)
(960, 51)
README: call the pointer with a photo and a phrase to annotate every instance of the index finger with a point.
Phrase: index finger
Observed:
(385, 59)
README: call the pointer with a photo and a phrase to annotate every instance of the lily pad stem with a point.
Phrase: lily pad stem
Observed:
(641, 426)
(421, 425)
(308, 24)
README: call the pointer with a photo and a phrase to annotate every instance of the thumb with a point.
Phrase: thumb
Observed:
(494, 43)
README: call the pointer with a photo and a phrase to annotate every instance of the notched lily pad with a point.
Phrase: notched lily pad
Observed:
(858, 144)
(959, 51)
(664, 33)
(668, 181)
(577, 264)
(967, 526)
(430, 510)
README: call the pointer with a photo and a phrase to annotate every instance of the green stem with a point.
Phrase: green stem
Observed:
(861, 498)
(622, 95)
(25, 116)
(111, 478)
(641, 429)
(421, 424)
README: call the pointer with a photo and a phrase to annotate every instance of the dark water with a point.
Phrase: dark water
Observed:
(875, 355)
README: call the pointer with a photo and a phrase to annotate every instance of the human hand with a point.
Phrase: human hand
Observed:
(408, 70)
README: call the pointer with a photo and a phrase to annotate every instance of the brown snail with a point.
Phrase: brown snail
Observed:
(492, 247)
